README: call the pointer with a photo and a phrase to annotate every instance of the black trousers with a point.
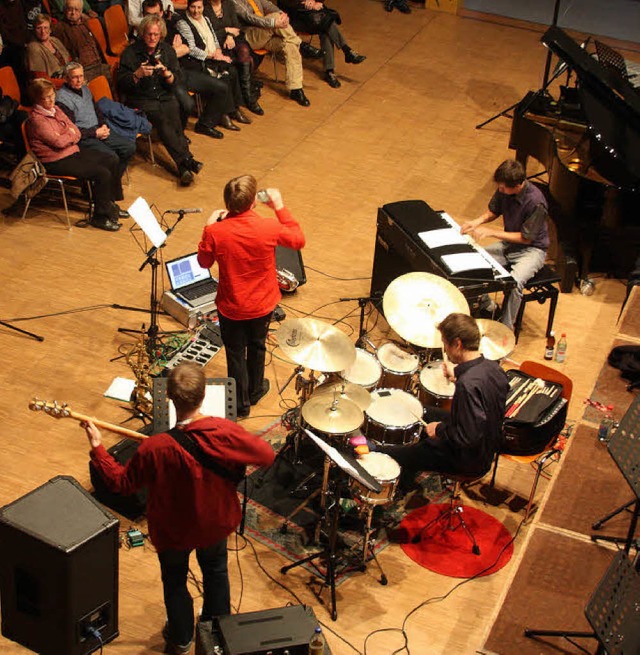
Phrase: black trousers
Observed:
(101, 171)
(164, 115)
(245, 345)
(215, 93)
(174, 566)
(122, 147)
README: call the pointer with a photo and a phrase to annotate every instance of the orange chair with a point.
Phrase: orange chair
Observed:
(95, 26)
(115, 21)
(542, 459)
(261, 54)
(59, 179)
(10, 86)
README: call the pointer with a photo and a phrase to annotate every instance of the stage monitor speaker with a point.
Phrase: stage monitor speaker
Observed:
(291, 260)
(58, 570)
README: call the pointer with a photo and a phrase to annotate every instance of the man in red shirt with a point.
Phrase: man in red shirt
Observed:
(192, 501)
(243, 243)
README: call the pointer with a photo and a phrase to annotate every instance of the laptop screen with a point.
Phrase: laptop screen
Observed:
(185, 270)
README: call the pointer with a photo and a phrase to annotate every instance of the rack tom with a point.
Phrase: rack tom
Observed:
(398, 366)
(365, 370)
(393, 417)
(434, 390)
(385, 470)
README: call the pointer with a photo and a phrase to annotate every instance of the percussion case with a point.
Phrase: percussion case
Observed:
(541, 418)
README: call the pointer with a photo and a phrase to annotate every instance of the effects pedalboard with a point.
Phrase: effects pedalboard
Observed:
(201, 349)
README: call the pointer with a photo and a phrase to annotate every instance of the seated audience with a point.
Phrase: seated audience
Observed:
(46, 55)
(313, 17)
(206, 57)
(135, 12)
(54, 138)
(76, 100)
(72, 30)
(226, 26)
(147, 73)
(266, 27)
(57, 9)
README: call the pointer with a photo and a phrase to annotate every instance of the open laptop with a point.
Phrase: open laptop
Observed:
(190, 281)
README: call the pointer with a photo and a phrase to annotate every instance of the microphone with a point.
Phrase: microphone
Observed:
(196, 210)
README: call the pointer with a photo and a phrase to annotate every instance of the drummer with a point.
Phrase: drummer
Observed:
(466, 441)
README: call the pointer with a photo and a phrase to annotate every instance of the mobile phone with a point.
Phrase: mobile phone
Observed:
(263, 196)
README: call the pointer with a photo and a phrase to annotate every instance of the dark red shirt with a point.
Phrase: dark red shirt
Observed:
(244, 247)
(188, 506)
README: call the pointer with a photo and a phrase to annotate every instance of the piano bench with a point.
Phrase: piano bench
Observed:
(540, 287)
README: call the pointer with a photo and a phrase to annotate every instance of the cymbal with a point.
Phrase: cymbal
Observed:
(496, 340)
(415, 303)
(335, 416)
(318, 345)
(345, 391)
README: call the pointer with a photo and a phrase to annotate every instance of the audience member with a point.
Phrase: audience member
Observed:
(76, 100)
(54, 138)
(46, 55)
(313, 17)
(72, 30)
(266, 27)
(226, 26)
(136, 12)
(147, 73)
(57, 9)
(206, 57)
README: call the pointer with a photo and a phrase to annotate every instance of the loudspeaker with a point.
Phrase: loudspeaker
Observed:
(292, 261)
(58, 570)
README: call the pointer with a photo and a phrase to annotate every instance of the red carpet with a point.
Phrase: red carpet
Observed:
(448, 552)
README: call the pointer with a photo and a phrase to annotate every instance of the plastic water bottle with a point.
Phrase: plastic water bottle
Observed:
(316, 645)
(605, 428)
(551, 346)
(561, 350)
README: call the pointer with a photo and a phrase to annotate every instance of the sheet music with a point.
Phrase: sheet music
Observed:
(447, 236)
(465, 261)
(144, 217)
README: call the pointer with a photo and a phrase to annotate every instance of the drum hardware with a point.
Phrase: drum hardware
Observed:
(414, 305)
(496, 340)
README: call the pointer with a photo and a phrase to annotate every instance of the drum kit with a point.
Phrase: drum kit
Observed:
(382, 394)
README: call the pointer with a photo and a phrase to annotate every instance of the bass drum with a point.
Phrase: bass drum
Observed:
(385, 470)
(393, 417)
(398, 366)
(434, 389)
(365, 370)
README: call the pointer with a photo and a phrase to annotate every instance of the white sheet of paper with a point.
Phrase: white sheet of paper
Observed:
(446, 236)
(215, 398)
(120, 389)
(335, 455)
(144, 217)
(465, 261)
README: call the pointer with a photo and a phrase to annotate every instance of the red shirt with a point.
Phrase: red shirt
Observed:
(188, 506)
(244, 247)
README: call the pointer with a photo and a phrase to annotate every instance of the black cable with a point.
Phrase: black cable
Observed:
(96, 635)
(334, 277)
(77, 310)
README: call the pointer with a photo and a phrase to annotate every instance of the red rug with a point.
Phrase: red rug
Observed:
(448, 552)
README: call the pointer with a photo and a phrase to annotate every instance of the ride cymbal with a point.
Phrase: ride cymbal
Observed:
(332, 415)
(315, 344)
(414, 304)
(496, 340)
(345, 391)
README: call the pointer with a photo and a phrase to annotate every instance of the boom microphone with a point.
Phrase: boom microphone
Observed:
(196, 210)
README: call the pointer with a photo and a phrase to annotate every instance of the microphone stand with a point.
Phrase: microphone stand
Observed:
(37, 337)
(362, 303)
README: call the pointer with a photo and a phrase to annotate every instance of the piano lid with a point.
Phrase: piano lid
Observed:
(611, 106)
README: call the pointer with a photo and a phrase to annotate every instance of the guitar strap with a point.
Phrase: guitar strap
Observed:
(205, 460)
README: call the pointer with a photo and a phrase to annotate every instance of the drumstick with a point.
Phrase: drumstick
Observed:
(526, 399)
(523, 383)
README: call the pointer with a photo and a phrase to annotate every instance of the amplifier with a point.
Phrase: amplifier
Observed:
(279, 631)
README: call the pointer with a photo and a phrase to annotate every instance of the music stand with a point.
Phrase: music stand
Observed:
(349, 466)
(624, 448)
(612, 611)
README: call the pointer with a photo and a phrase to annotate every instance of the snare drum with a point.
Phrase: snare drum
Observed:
(393, 417)
(365, 371)
(434, 389)
(385, 470)
(398, 366)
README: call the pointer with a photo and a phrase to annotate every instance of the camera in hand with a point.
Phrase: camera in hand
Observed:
(152, 60)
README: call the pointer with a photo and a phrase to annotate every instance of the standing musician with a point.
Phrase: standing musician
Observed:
(191, 474)
(466, 441)
(525, 238)
(244, 246)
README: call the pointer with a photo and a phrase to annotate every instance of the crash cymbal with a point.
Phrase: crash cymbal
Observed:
(315, 344)
(345, 390)
(414, 304)
(496, 340)
(332, 415)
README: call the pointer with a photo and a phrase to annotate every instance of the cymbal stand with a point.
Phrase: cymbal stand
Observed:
(328, 553)
(369, 542)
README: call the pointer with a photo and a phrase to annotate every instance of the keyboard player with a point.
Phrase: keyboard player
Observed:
(524, 240)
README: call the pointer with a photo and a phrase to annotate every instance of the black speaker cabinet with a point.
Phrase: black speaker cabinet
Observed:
(291, 260)
(58, 570)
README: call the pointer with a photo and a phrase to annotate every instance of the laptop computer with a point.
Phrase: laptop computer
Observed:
(190, 281)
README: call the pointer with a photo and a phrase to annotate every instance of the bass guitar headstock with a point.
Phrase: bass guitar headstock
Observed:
(52, 409)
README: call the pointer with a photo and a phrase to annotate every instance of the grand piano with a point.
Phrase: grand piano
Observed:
(588, 140)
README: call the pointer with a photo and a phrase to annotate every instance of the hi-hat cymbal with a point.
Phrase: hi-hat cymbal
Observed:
(496, 340)
(345, 390)
(315, 344)
(415, 303)
(334, 416)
